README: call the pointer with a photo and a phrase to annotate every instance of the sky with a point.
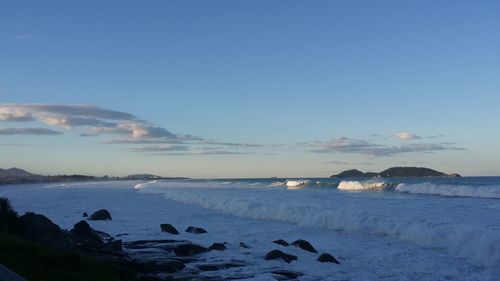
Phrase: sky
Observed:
(249, 88)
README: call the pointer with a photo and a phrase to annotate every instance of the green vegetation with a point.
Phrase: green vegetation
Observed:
(37, 262)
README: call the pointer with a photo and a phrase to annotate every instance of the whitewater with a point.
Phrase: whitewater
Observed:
(398, 229)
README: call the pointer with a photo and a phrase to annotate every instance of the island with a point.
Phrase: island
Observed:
(395, 172)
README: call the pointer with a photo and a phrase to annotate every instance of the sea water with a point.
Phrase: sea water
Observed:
(380, 229)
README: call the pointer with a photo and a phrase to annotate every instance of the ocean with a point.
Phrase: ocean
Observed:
(379, 229)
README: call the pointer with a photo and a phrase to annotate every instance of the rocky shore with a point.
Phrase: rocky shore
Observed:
(150, 260)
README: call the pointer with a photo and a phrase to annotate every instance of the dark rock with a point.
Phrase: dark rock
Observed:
(277, 254)
(150, 243)
(100, 215)
(40, 229)
(243, 245)
(217, 246)
(104, 236)
(186, 250)
(85, 214)
(94, 239)
(195, 230)
(281, 242)
(114, 245)
(83, 230)
(287, 274)
(304, 245)
(165, 227)
(325, 257)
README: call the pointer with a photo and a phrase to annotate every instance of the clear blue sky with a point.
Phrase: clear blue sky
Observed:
(263, 88)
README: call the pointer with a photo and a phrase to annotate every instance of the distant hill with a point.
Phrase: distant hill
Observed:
(354, 173)
(14, 173)
(142, 177)
(18, 176)
(395, 172)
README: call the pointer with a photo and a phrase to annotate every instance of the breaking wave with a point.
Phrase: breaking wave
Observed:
(296, 184)
(478, 244)
(451, 190)
(357, 186)
(144, 184)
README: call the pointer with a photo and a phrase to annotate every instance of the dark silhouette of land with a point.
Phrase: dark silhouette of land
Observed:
(18, 176)
(395, 172)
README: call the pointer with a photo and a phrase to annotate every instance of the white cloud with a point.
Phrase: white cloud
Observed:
(347, 145)
(406, 136)
(126, 128)
(97, 120)
(24, 36)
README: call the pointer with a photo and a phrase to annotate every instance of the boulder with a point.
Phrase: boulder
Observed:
(217, 247)
(195, 230)
(100, 215)
(304, 245)
(114, 246)
(281, 242)
(165, 227)
(277, 254)
(186, 250)
(82, 229)
(85, 214)
(40, 229)
(86, 236)
(325, 257)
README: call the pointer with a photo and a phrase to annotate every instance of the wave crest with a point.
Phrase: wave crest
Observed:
(144, 184)
(479, 245)
(451, 190)
(356, 185)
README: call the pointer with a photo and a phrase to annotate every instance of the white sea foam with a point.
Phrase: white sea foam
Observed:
(448, 235)
(451, 190)
(477, 243)
(357, 186)
(278, 183)
(144, 184)
(296, 184)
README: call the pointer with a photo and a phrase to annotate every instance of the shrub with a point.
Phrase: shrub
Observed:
(9, 221)
(6, 207)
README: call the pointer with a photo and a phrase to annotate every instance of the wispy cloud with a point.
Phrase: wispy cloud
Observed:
(124, 128)
(231, 144)
(160, 148)
(203, 152)
(24, 36)
(342, 144)
(29, 131)
(95, 119)
(347, 145)
(406, 136)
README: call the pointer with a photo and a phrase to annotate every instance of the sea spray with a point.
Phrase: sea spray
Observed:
(451, 190)
(477, 244)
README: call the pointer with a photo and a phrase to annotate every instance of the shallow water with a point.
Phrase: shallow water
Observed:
(379, 235)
